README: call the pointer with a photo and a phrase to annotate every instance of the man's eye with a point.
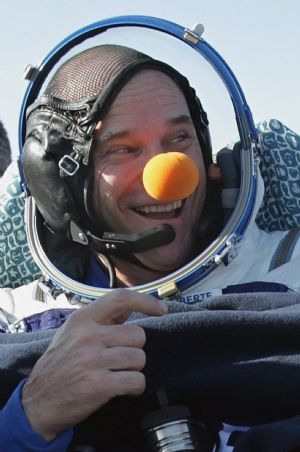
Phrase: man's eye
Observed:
(122, 150)
(179, 137)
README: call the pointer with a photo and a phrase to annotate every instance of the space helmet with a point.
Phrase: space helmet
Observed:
(56, 140)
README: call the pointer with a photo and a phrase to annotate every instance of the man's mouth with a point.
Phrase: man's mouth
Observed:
(159, 211)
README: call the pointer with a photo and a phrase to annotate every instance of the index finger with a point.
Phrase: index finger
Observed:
(116, 307)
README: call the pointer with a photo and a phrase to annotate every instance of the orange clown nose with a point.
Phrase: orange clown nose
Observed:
(170, 176)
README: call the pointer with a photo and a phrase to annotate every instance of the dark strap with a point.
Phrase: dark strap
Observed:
(285, 249)
(255, 287)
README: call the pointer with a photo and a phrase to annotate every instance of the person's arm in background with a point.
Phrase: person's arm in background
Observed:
(5, 150)
(18, 354)
(17, 434)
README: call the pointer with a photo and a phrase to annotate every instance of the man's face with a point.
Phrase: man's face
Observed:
(148, 117)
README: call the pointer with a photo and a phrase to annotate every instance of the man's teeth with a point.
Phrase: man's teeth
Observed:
(159, 208)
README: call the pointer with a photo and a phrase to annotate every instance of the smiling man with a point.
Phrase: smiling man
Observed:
(148, 117)
(112, 109)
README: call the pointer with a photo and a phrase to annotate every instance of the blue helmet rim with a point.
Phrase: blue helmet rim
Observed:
(249, 139)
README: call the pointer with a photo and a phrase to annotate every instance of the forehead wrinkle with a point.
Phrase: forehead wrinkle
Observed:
(148, 81)
(162, 93)
(165, 100)
(141, 88)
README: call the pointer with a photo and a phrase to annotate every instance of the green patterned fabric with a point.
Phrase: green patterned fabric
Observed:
(280, 209)
(280, 169)
(16, 264)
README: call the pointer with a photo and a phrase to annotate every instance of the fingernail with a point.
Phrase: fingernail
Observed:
(163, 306)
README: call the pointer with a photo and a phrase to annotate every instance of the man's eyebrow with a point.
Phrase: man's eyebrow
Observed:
(181, 119)
(111, 135)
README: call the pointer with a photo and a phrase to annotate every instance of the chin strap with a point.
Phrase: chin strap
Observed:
(125, 245)
(121, 244)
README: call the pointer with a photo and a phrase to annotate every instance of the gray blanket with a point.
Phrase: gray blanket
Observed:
(234, 359)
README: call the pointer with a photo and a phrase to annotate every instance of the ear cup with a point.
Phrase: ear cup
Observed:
(228, 161)
(45, 144)
(52, 196)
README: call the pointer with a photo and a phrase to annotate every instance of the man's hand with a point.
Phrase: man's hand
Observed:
(92, 358)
